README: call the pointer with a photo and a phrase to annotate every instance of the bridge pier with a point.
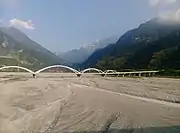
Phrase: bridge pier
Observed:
(79, 75)
(143, 75)
(34, 75)
(139, 74)
(103, 74)
(118, 75)
(149, 74)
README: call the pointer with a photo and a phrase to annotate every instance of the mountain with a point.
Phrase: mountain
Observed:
(163, 53)
(134, 40)
(15, 45)
(80, 55)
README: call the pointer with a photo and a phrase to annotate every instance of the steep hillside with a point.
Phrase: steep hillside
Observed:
(133, 40)
(161, 54)
(16, 45)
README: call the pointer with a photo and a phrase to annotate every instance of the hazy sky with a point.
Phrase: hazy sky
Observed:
(61, 25)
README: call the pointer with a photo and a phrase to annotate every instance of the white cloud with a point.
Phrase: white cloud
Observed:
(170, 16)
(161, 2)
(22, 24)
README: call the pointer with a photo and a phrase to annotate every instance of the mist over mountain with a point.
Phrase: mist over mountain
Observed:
(82, 54)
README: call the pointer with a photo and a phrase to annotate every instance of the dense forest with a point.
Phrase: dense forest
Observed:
(161, 54)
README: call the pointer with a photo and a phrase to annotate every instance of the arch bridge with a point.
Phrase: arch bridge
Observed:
(57, 66)
(18, 67)
(139, 73)
(107, 72)
(91, 69)
(110, 71)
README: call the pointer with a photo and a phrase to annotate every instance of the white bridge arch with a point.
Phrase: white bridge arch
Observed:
(92, 69)
(79, 73)
(18, 67)
(60, 66)
(110, 71)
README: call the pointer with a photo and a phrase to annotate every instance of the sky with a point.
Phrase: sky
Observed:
(62, 25)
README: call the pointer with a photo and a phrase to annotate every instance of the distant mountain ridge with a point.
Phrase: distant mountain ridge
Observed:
(81, 54)
(15, 44)
(146, 33)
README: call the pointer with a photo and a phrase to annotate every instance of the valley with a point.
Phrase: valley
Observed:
(97, 66)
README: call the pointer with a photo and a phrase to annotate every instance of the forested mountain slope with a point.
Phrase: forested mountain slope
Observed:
(18, 49)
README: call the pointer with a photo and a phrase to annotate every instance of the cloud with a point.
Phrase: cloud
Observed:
(170, 16)
(161, 2)
(22, 24)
